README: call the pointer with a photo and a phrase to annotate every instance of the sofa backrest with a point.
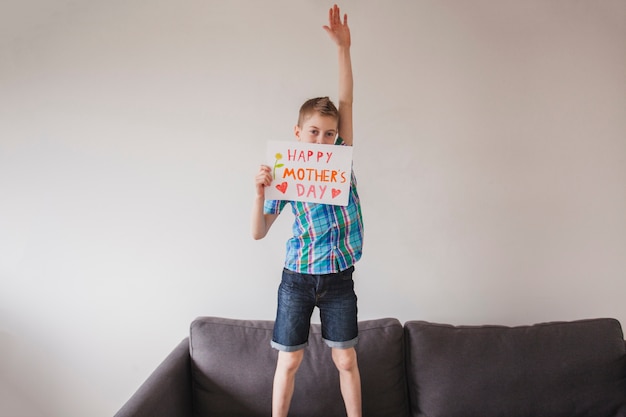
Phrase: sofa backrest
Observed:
(566, 369)
(233, 367)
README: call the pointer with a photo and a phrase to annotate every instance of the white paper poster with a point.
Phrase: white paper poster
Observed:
(309, 172)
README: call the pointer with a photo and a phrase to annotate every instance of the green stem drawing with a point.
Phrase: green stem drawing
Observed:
(276, 164)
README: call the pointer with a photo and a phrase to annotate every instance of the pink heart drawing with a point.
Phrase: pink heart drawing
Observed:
(336, 192)
(282, 187)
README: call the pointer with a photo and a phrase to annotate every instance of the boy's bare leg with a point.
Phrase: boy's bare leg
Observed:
(349, 379)
(284, 381)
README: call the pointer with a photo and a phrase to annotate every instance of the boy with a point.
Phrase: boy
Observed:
(327, 242)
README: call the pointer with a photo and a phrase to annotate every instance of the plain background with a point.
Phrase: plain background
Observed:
(490, 149)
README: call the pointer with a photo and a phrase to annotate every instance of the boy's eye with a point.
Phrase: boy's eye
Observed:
(313, 132)
(330, 134)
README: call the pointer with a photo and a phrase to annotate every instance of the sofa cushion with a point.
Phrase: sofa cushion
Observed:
(233, 368)
(563, 369)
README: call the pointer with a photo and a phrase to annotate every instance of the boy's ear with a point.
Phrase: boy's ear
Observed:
(296, 131)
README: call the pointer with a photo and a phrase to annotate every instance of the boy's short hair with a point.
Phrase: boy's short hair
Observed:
(321, 105)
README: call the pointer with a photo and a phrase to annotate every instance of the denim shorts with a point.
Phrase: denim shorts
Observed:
(299, 294)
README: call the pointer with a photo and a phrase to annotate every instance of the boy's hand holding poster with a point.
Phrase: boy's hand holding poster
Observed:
(309, 172)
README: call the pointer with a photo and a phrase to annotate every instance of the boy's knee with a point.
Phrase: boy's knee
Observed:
(290, 361)
(345, 359)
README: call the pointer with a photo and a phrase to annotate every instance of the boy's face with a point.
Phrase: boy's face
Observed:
(317, 129)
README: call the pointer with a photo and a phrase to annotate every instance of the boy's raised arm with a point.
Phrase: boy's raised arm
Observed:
(339, 32)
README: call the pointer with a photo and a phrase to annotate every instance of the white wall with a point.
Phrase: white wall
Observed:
(490, 149)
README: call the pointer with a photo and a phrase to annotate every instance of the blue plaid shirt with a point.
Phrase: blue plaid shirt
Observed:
(326, 238)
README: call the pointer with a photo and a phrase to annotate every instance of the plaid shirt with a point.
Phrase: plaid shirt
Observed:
(326, 238)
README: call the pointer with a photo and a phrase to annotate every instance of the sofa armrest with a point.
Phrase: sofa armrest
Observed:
(167, 391)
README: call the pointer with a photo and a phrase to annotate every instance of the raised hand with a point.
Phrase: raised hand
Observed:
(338, 31)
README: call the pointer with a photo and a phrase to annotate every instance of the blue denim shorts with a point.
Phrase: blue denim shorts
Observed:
(299, 294)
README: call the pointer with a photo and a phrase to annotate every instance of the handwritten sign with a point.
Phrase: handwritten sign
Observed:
(309, 172)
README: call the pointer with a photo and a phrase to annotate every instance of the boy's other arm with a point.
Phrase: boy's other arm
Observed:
(261, 222)
(345, 96)
(339, 32)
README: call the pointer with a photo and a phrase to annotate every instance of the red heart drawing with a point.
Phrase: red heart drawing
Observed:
(336, 192)
(282, 187)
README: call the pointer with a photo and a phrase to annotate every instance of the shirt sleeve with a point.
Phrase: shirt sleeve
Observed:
(273, 206)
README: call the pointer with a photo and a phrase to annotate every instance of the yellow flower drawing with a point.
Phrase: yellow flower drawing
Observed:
(279, 156)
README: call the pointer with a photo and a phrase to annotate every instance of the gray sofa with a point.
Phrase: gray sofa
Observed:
(559, 369)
